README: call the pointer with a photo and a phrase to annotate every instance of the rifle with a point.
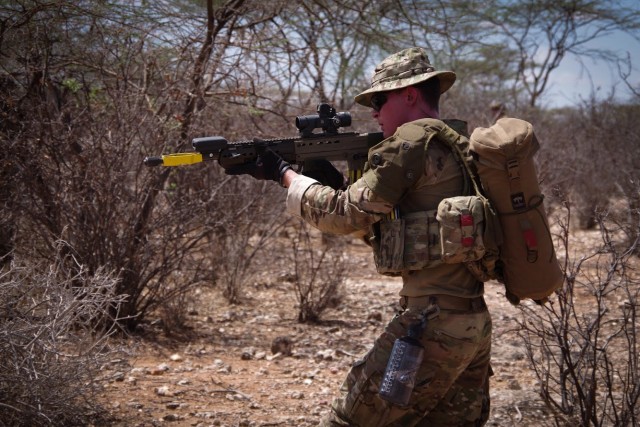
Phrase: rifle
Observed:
(329, 144)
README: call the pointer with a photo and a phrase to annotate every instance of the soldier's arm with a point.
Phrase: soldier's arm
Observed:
(335, 211)
(393, 166)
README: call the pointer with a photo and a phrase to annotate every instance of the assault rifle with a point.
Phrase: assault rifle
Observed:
(329, 145)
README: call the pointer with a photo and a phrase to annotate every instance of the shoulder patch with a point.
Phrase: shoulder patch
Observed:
(411, 132)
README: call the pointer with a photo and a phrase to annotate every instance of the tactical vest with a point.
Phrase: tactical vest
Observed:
(454, 232)
(501, 244)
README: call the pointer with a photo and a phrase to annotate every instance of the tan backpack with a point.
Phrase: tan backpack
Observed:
(500, 231)
(503, 159)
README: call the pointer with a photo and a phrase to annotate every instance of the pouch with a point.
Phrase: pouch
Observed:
(389, 250)
(462, 223)
(421, 240)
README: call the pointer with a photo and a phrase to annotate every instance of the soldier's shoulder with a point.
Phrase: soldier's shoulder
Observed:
(420, 130)
(412, 132)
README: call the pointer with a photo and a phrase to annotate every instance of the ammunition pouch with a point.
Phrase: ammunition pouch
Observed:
(451, 234)
(461, 222)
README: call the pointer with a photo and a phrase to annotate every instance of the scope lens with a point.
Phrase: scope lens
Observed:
(344, 119)
(307, 122)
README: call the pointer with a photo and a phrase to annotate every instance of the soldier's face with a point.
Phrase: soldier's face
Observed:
(393, 113)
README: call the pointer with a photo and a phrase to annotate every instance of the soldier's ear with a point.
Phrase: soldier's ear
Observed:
(411, 95)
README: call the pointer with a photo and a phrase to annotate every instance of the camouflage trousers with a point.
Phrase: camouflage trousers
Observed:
(452, 386)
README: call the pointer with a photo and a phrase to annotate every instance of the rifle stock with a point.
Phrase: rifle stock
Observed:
(329, 144)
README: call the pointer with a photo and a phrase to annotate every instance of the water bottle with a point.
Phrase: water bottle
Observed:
(399, 377)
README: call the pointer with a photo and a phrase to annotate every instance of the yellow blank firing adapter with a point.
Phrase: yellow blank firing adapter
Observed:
(178, 159)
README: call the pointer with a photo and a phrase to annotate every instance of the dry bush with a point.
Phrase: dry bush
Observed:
(320, 266)
(50, 350)
(244, 233)
(88, 89)
(583, 344)
(76, 137)
(590, 155)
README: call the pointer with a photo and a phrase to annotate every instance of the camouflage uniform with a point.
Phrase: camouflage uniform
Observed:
(410, 172)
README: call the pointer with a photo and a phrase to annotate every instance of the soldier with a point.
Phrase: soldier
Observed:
(407, 175)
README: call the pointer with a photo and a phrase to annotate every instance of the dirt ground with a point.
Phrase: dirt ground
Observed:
(223, 372)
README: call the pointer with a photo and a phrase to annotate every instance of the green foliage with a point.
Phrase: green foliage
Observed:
(72, 84)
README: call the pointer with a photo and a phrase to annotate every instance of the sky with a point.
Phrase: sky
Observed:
(573, 82)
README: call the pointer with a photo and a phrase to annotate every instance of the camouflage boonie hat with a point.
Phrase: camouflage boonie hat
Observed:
(405, 68)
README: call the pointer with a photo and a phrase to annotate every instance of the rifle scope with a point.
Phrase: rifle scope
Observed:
(327, 119)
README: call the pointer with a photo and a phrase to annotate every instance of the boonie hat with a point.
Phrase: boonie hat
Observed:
(405, 68)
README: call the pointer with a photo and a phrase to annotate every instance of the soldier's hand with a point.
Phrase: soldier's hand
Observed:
(267, 166)
(324, 172)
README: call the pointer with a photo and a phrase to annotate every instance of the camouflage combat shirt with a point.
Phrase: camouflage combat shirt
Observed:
(399, 173)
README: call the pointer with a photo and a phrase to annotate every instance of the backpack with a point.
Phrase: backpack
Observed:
(498, 229)
(503, 161)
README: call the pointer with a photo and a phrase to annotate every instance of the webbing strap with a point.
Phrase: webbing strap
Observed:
(354, 175)
(518, 202)
(521, 206)
(451, 137)
(467, 228)
(530, 239)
